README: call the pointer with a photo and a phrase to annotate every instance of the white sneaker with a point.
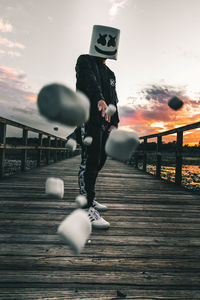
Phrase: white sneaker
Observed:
(96, 220)
(98, 206)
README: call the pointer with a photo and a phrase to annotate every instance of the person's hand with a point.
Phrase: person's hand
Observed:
(111, 128)
(102, 107)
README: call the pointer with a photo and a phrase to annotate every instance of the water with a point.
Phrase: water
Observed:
(12, 166)
(190, 175)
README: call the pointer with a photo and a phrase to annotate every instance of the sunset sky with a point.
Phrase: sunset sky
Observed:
(159, 57)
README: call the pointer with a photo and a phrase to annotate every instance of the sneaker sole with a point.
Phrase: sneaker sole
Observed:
(101, 209)
(100, 227)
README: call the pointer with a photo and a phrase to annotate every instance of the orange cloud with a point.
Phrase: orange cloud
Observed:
(11, 74)
(32, 97)
(157, 116)
(14, 53)
(5, 27)
(13, 85)
(10, 44)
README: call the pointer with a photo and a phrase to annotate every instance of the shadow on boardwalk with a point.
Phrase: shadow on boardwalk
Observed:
(151, 251)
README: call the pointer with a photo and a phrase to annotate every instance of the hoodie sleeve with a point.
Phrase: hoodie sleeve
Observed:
(87, 81)
(115, 118)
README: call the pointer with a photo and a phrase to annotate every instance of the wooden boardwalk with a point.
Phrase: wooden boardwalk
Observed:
(151, 251)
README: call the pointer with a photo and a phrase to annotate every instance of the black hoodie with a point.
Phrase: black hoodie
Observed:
(97, 82)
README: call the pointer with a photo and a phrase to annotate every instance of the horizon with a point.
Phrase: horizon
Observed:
(158, 58)
(164, 143)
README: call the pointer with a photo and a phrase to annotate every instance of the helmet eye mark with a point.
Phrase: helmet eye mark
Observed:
(112, 41)
(102, 39)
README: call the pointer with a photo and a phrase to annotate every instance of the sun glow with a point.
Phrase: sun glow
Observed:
(193, 93)
(158, 125)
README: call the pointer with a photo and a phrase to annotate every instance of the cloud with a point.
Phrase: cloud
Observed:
(155, 115)
(14, 53)
(18, 102)
(10, 44)
(5, 27)
(115, 6)
(163, 93)
(50, 19)
(10, 53)
(11, 76)
(126, 111)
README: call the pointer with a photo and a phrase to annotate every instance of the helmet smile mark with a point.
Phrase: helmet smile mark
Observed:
(105, 52)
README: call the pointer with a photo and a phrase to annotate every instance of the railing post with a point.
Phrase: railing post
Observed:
(55, 151)
(67, 153)
(158, 154)
(145, 156)
(24, 151)
(59, 152)
(48, 151)
(39, 150)
(136, 159)
(63, 152)
(179, 151)
(2, 151)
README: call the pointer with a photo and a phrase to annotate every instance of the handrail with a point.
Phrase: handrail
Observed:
(179, 150)
(28, 128)
(57, 146)
(175, 130)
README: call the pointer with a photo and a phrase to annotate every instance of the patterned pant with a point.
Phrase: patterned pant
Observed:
(93, 159)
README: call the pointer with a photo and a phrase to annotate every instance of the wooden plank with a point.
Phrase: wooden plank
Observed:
(152, 248)
(102, 240)
(116, 218)
(97, 264)
(115, 212)
(144, 251)
(103, 278)
(115, 231)
(37, 195)
(114, 224)
(63, 204)
(57, 291)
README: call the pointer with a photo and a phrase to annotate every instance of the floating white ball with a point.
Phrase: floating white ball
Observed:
(110, 110)
(54, 187)
(71, 145)
(81, 200)
(121, 144)
(87, 140)
(61, 104)
(75, 230)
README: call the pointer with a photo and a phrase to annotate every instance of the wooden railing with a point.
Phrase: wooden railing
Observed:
(178, 151)
(57, 145)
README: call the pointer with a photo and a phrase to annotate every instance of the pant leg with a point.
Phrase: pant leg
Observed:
(103, 155)
(91, 156)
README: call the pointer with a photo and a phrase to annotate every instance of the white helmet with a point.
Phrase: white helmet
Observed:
(104, 42)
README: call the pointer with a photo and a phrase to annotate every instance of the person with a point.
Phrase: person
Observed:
(97, 82)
